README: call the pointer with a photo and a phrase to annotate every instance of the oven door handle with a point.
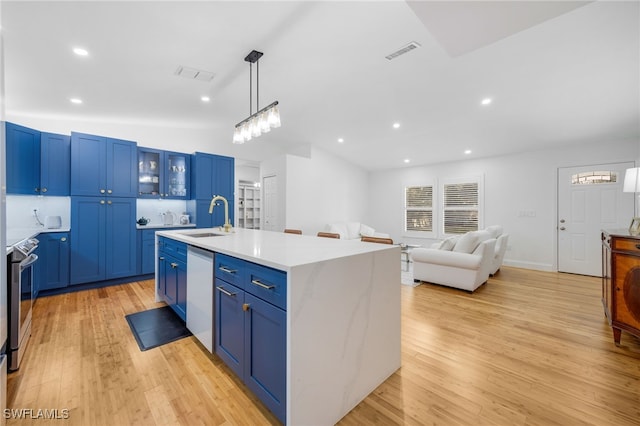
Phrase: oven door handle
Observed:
(28, 261)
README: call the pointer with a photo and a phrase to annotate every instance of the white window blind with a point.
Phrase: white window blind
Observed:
(460, 207)
(419, 208)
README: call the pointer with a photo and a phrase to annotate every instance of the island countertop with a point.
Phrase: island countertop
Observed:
(278, 250)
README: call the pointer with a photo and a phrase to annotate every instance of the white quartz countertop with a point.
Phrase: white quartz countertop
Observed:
(275, 249)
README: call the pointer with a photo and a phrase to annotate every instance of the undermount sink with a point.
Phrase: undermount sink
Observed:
(203, 234)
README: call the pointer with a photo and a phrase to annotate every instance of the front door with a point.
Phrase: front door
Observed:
(590, 199)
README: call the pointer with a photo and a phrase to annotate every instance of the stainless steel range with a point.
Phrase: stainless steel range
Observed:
(20, 298)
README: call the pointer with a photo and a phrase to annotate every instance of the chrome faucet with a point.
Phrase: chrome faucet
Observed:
(227, 224)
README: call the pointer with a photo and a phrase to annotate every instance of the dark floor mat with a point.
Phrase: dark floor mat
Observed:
(156, 327)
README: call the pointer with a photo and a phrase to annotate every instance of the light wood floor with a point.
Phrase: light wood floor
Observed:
(528, 348)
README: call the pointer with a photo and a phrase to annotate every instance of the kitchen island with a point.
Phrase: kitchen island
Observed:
(341, 301)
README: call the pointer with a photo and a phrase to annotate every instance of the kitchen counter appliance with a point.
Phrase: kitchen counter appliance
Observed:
(20, 298)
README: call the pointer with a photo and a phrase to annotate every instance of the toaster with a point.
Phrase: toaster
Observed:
(52, 222)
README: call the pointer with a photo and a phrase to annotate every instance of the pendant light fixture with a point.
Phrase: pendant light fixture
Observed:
(263, 120)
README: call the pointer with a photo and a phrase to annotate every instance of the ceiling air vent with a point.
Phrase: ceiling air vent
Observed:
(194, 74)
(404, 49)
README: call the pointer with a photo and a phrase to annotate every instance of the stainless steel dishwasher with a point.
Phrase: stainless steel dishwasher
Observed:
(200, 307)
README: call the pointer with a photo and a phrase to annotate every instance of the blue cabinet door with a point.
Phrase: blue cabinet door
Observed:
(229, 339)
(147, 251)
(22, 160)
(181, 290)
(177, 175)
(55, 164)
(103, 166)
(120, 237)
(170, 281)
(202, 166)
(266, 353)
(121, 168)
(88, 165)
(162, 274)
(203, 218)
(54, 260)
(88, 233)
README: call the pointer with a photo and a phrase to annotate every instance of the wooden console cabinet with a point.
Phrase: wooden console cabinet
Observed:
(621, 281)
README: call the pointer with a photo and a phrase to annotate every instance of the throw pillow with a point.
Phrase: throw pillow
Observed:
(494, 230)
(448, 243)
(467, 243)
(366, 231)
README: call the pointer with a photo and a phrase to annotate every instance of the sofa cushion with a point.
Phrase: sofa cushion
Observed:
(467, 243)
(448, 243)
(366, 231)
(494, 230)
(446, 258)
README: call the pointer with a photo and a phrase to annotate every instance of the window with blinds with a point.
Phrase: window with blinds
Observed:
(460, 207)
(419, 208)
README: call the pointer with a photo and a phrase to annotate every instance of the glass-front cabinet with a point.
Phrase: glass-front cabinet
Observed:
(163, 174)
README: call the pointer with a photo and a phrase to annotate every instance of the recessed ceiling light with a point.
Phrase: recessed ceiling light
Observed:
(205, 99)
(340, 140)
(396, 125)
(467, 151)
(80, 51)
(406, 160)
(75, 101)
(486, 101)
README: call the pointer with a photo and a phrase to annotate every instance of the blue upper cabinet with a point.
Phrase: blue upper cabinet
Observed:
(103, 166)
(163, 174)
(55, 164)
(23, 160)
(212, 175)
(38, 163)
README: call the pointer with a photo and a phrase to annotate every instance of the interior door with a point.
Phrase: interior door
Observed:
(270, 200)
(590, 199)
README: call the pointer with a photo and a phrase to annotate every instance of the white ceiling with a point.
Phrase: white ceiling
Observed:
(558, 72)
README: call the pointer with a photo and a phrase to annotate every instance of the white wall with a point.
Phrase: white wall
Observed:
(512, 183)
(324, 189)
(317, 190)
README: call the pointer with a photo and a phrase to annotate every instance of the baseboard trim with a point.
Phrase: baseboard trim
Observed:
(93, 285)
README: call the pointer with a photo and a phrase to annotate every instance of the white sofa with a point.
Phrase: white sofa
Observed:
(502, 240)
(463, 262)
(354, 230)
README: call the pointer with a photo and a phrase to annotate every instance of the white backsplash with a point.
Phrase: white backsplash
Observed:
(152, 209)
(20, 210)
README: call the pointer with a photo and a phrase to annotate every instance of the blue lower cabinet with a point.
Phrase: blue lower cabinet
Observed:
(229, 343)
(251, 327)
(265, 353)
(147, 244)
(53, 261)
(172, 279)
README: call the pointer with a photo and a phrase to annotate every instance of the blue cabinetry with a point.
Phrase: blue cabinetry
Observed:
(163, 174)
(103, 166)
(251, 327)
(212, 175)
(52, 268)
(38, 163)
(172, 271)
(22, 159)
(103, 238)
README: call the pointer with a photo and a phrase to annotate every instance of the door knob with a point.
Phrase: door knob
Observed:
(561, 220)
(562, 228)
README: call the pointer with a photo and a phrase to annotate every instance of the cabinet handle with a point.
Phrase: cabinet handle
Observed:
(227, 270)
(102, 191)
(161, 258)
(265, 286)
(245, 307)
(174, 265)
(36, 189)
(223, 291)
(109, 202)
(63, 239)
(101, 201)
(109, 191)
(44, 189)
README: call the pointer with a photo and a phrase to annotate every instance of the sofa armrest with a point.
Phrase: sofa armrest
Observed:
(446, 258)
